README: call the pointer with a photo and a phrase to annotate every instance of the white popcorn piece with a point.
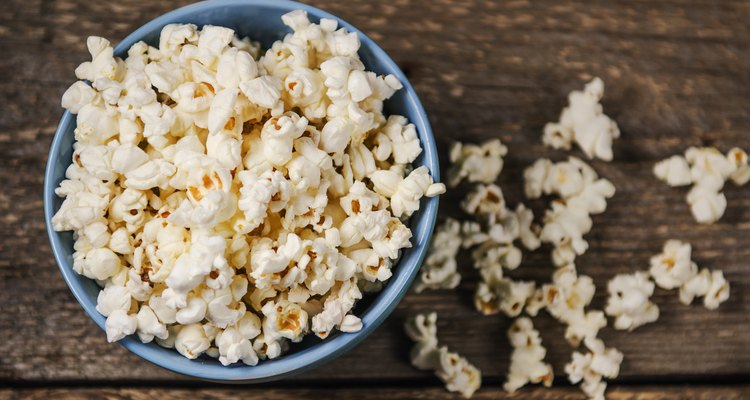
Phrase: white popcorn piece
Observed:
(739, 160)
(707, 170)
(582, 325)
(456, 372)
(476, 163)
(404, 193)
(440, 269)
(191, 341)
(120, 324)
(629, 300)
(706, 204)
(718, 291)
(582, 193)
(584, 123)
(591, 367)
(675, 171)
(76, 96)
(711, 285)
(234, 347)
(111, 298)
(102, 64)
(566, 299)
(527, 360)
(673, 267)
(222, 110)
(495, 294)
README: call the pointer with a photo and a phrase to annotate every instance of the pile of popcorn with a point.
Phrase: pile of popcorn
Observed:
(229, 202)
(575, 193)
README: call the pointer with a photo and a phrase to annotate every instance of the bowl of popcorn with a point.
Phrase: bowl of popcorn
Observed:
(240, 190)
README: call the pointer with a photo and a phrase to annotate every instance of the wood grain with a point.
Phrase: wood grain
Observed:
(677, 74)
(615, 393)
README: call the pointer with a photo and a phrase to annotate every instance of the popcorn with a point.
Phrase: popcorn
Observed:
(589, 368)
(495, 294)
(629, 301)
(476, 163)
(112, 298)
(233, 347)
(673, 267)
(119, 324)
(582, 193)
(527, 360)
(706, 205)
(101, 264)
(439, 270)
(151, 174)
(566, 299)
(675, 171)
(404, 193)
(191, 341)
(584, 123)
(711, 285)
(707, 170)
(76, 96)
(149, 326)
(212, 185)
(455, 371)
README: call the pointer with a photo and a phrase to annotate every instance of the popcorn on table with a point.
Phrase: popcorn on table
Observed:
(440, 268)
(584, 123)
(476, 163)
(673, 268)
(566, 299)
(527, 360)
(591, 367)
(456, 372)
(629, 300)
(706, 169)
(229, 202)
(581, 194)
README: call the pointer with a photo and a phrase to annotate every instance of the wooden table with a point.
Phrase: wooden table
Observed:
(677, 74)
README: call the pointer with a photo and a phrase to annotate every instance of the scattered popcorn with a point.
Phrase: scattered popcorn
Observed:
(673, 267)
(584, 123)
(476, 163)
(711, 285)
(229, 203)
(582, 193)
(566, 299)
(675, 171)
(455, 371)
(707, 170)
(589, 368)
(439, 270)
(527, 360)
(629, 300)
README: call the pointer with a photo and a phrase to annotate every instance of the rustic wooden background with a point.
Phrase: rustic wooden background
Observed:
(677, 74)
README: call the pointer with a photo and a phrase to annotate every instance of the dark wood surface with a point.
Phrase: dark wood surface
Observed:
(677, 73)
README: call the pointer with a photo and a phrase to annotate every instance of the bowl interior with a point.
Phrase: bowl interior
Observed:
(259, 20)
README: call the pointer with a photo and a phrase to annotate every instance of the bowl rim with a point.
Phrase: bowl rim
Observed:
(327, 350)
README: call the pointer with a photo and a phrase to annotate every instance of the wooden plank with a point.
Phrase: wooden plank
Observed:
(365, 393)
(676, 75)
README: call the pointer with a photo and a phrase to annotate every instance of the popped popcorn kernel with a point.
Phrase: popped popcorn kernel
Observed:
(527, 360)
(456, 372)
(584, 123)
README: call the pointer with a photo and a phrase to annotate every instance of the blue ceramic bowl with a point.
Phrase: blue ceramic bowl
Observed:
(259, 20)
